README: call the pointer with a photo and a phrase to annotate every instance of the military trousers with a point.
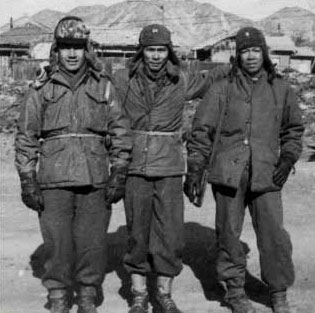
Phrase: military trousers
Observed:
(74, 225)
(155, 222)
(273, 241)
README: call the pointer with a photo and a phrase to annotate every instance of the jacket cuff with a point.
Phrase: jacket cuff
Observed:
(289, 156)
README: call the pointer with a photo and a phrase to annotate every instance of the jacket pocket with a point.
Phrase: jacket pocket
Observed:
(53, 163)
(56, 111)
(96, 111)
(98, 161)
(228, 166)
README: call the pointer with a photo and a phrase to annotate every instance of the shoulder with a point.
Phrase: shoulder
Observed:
(282, 85)
(220, 86)
(121, 75)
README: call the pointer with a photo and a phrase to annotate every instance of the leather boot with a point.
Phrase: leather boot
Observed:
(140, 298)
(58, 301)
(279, 302)
(86, 300)
(241, 304)
(164, 302)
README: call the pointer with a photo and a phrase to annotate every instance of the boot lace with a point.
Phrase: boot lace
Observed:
(167, 304)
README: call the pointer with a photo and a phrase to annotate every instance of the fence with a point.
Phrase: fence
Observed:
(20, 69)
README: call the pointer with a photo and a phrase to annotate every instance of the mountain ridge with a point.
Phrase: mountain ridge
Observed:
(191, 22)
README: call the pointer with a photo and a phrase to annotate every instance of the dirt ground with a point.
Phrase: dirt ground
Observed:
(195, 290)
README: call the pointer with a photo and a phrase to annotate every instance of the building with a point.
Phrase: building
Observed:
(111, 42)
(303, 61)
(281, 49)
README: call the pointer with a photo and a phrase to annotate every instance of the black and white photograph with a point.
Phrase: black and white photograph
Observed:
(157, 156)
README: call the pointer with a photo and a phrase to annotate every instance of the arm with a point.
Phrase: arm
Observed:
(119, 131)
(119, 149)
(199, 147)
(291, 128)
(198, 82)
(28, 133)
(203, 127)
(27, 148)
(290, 139)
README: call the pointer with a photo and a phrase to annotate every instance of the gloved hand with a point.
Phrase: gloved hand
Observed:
(115, 189)
(192, 184)
(31, 193)
(282, 171)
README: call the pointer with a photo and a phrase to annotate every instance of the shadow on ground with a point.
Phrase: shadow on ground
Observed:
(199, 254)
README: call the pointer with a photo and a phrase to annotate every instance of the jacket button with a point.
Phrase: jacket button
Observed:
(246, 142)
(145, 149)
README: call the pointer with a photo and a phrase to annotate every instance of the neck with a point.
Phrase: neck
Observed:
(73, 77)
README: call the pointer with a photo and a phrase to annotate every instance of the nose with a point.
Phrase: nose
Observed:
(251, 55)
(156, 55)
(72, 52)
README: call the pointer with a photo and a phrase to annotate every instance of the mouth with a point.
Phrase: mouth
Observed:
(72, 62)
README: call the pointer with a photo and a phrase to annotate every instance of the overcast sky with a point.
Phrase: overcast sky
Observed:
(254, 9)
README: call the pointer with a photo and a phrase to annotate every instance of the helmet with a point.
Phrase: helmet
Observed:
(71, 29)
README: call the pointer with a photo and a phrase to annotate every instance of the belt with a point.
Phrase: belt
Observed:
(157, 133)
(74, 135)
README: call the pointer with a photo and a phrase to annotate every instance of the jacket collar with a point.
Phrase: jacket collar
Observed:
(58, 77)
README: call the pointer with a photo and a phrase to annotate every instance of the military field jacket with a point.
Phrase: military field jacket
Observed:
(67, 131)
(262, 122)
(156, 125)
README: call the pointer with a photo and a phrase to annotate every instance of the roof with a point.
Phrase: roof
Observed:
(26, 34)
(115, 37)
(305, 52)
(216, 39)
(282, 43)
(121, 36)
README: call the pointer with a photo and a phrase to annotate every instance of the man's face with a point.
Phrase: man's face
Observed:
(71, 56)
(252, 60)
(155, 57)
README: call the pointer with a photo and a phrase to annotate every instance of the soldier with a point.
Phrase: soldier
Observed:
(259, 143)
(71, 125)
(154, 90)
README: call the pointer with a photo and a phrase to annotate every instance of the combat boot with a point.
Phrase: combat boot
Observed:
(86, 300)
(163, 299)
(139, 291)
(240, 304)
(279, 302)
(58, 301)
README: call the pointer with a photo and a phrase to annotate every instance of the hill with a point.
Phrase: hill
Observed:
(293, 21)
(192, 23)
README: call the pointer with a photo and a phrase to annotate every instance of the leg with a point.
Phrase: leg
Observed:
(274, 246)
(166, 240)
(56, 228)
(167, 232)
(138, 208)
(231, 261)
(89, 231)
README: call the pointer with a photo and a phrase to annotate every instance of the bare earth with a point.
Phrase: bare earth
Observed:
(195, 290)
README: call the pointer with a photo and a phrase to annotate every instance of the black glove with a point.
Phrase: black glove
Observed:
(31, 193)
(192, 184)
(115, 189)
(282, 171)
